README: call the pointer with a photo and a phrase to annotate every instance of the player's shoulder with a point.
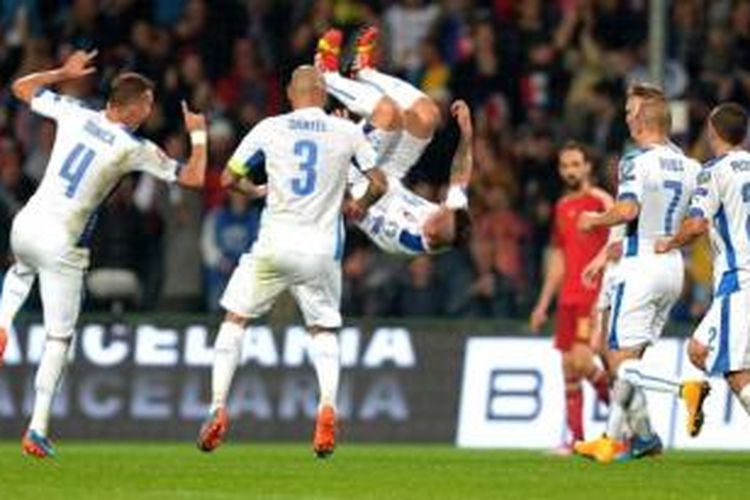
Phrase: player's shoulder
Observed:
(601, 196)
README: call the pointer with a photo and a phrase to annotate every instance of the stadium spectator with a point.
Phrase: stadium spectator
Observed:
(228, 232)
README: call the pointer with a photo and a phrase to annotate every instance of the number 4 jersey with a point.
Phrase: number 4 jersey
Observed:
(89, 157)
(307, 154)
(723, 197)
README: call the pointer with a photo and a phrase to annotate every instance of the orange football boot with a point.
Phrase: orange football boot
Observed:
(3, 343)
(213, 430)
(325, 432)
(328, 52)
(367, 44)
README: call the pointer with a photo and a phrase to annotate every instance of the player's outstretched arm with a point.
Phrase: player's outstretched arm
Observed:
(194, 173)
(691, 229)
(462, 159)
(623, 211)
(77, 65)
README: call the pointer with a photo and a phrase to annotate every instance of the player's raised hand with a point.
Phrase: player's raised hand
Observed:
(193, 121)
(462, 113)
(78, 64)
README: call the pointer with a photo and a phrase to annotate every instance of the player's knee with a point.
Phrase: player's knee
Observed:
(387, 115)
(60, 334)
(422, 118)
(698, 353)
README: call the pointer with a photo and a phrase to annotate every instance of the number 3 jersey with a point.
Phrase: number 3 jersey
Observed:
(307, 154)
(723, 197)
(89, 157)
(661, 179)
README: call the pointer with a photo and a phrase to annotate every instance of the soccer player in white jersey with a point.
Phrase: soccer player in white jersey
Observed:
(93, 150)
(400, 120)
(656, 182)
(307, 154)
(721, 203)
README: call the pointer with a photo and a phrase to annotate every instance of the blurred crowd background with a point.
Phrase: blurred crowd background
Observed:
(536, 73)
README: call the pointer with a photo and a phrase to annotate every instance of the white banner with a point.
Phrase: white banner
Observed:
(512, 397)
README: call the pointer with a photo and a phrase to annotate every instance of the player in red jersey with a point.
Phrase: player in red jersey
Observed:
(571, 250)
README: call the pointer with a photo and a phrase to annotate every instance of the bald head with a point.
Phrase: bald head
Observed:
(306, 88)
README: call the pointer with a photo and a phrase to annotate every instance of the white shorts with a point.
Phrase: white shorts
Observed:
(725, 330)
(261, 275)
(403, 155)
(41, 249)
(642, 293)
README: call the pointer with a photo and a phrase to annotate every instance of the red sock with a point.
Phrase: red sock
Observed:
(600, 381)
(574, 409)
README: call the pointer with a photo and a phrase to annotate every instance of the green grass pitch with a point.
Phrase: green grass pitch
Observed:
(288, 471)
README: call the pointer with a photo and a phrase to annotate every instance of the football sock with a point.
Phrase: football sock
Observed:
(404, 93)
(632, 371)
(227, 351)
(622, 393)
(638, 418)
(47, 378)
(356, 96)
(16, 287)
(574, 412)
(600, 382)
(744, 397)
(324, 352)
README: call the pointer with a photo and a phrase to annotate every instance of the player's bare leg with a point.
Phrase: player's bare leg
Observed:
(381, 112)
(227, 352)
(324, 351)
(421, 115)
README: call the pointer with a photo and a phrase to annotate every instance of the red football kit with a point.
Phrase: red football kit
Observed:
(575, 301)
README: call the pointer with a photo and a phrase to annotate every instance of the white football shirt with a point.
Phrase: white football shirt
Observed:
(307, 154)
(723, 197)
(661, 179)
(89, 157)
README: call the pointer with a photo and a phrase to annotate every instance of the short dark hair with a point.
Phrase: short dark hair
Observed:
(462, 227)
(576, 146)
(729, 120)
(128, 87)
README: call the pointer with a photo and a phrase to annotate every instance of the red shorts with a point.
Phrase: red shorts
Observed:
(573, 325)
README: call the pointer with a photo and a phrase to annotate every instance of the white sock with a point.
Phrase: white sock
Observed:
(622, 393)
(404, 93)
(356, 96)
(638, 418)
(744, 397)
(16, 287)
(227, 351)
(47, 379)
(324, 351)
(636, 373)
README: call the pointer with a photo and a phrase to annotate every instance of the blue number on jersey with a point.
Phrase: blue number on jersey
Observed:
(669, 221)
(307, 152)
(75, 166)
(746, 200)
